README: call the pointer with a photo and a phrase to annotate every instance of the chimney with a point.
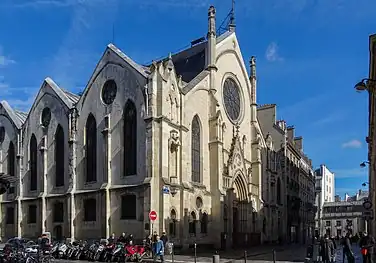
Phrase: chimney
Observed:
(211, 36)
(299, 142)
(290, 133)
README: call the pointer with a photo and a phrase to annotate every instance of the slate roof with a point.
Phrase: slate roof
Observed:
(73, 98)
(191, 62)
(21, 116)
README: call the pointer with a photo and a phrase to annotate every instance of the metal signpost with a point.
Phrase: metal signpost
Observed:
(152, 216)
(368, 213)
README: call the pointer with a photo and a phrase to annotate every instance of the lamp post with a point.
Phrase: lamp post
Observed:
(369, 85)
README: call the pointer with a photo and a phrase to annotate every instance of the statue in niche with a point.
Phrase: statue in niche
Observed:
(174, 141)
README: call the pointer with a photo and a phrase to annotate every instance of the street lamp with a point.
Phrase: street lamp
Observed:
(364, 84)
(364, 164)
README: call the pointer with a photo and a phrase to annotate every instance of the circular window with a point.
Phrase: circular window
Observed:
(46, 117)
(231, 97)
(2, 134)
(109, 91)
(199, 202)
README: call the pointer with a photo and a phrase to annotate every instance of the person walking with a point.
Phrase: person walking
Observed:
(367, 244)
(158, 249)
(327, 249)
(347, 250)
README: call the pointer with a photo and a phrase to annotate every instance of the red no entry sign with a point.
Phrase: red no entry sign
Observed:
(153, 215)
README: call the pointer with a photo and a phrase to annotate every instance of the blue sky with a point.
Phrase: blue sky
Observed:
(310, 53)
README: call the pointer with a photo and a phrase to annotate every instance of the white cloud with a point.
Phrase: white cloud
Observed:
(330, 118)
(4, 60)
(271, 52)
(352, 144)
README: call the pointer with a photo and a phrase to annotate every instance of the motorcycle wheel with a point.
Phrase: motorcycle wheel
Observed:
(97, 256)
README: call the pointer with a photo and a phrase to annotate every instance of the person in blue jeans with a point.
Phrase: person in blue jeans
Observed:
(158, 249)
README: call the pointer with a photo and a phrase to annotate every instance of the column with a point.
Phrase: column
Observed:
(43, 150)
(72, 171)
(107, 140)
(20, 138)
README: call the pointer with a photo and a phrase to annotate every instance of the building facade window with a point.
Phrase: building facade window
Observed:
(279, 199)
(196, 150)
(11, 165)
(338, 223)
(33, 151)
(128, 207)
(90, 210)
(32, 215)
(130, 139)
(11, 160)
(10, 216)
(328, 223)
(59, 157)
(91, 149)
(58, 215)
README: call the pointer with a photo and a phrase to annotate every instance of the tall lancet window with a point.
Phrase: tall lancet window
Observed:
(33, 151)
(11, 160)
(59, 156)
(130, 139)
(91, 149)
(196, 150)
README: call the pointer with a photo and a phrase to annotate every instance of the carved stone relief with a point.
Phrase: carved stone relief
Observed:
(173, 144)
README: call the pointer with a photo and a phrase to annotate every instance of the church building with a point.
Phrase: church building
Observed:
(179, 137)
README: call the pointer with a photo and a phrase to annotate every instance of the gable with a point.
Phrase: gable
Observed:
(114, 56)
(58, 93)
(16, 117)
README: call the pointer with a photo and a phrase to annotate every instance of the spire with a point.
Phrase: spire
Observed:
(232, 25)
(211, 24)
(211, 36)
(252, 79)
(252, 63)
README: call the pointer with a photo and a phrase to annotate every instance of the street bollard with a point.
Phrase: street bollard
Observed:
(172, 252)
(216, 259)
(195, 248)
(274, 256)
(245, 256)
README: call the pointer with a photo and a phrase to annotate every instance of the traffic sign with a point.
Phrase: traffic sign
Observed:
(367, 205)
(153, 215)
(166, 189)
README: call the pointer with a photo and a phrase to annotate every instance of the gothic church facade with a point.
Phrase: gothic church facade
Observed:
(179, 137)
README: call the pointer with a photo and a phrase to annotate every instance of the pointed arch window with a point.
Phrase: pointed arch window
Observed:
(279, 191)
(130, 139)
(59, 156)
(33, 151)
(11, 160)
(11, 165)
(196, 150)
(91, 149)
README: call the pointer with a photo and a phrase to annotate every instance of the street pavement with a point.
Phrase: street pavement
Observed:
(264, 254)
(356, 250)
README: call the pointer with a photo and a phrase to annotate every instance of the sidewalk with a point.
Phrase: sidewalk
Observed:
(256, 251)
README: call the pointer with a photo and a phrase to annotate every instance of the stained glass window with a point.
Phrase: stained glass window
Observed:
(231, 96)
(196, 150)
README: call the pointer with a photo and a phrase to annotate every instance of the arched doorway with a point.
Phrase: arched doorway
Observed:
(240, 211)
